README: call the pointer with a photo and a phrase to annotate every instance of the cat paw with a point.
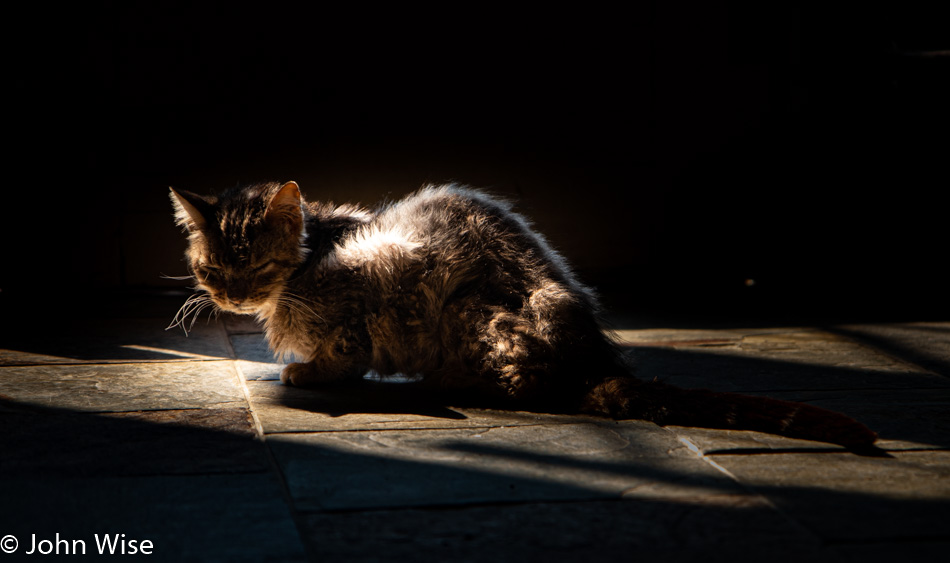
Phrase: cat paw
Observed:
(298, 375)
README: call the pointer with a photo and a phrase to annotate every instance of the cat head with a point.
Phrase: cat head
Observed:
(244, 244)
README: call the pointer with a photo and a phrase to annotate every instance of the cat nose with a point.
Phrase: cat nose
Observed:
(237, 293)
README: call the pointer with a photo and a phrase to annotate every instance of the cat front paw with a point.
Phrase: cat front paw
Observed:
(298, 375)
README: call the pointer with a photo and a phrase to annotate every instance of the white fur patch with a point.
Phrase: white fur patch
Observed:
(377, 248)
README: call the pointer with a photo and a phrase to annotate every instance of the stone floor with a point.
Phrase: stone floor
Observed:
(116, 426)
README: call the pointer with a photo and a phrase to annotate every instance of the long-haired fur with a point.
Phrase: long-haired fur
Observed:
(448, 284)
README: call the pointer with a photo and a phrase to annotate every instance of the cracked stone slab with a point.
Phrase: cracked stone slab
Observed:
(56, 443)
(735, 528)
(380, 469)
(123, 387)
(237, 517)
(845, 497)
(283, 409)
(114, 341)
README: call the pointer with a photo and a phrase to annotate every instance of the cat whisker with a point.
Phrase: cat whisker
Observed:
(192, 307)
(289, 304)
(181, 311)
(293, 307)
(297, 304)
(197, 314)
(181, 278)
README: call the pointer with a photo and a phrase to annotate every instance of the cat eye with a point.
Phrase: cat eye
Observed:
(206, 269)
(266, 266)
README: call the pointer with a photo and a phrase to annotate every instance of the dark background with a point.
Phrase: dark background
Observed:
(672, 150)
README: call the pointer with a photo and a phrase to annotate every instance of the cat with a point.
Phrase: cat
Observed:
(448, 284)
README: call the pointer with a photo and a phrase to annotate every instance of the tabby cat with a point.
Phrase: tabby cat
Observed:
(449, 285)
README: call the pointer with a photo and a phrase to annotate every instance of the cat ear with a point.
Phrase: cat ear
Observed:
(188, 209)
(284, 207)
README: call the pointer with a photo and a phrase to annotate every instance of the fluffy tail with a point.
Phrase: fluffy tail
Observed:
(627, 397)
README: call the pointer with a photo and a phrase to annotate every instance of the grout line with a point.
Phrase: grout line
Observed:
(108, 362)
(258, 425)
(242, 381)
(295, 514)
(750, 490)
(699, 453)
(466, 505)
(407, 428)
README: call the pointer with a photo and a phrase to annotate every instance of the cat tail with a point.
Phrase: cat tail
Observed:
(627, 397)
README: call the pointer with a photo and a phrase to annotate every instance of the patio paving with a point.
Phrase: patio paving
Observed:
(117, 426)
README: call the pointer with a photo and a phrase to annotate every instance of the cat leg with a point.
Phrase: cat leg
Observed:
(341, 355)
(318, 372)
(514, 360)
(511, 352)
(328, 364)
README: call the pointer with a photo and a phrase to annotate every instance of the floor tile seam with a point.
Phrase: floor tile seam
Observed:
(242, 384)
(216, 406)
(847, 389)
(101, 362)
(296, 514)
(764, 450)
(44, 476)
(916, 450)
(748, 489)
(475, 504)
(887, 540)
(739, 451)
(274, 464)
(731, 338)
(413, 429)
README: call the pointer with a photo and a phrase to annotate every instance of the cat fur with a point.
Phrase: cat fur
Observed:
(450, 285)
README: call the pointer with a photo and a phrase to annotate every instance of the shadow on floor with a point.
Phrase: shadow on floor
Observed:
(199, 492)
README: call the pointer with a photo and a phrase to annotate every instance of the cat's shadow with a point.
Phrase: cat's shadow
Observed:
(373, 397)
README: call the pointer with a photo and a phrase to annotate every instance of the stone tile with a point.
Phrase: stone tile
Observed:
(114, 341)
(889, 551)
(924, 344)
(385, 469)
(57, 443)
(844, 497)
(715, 441)
(695, 338)
(904, 419)
(124, 387)
(739, 528)
(241, 324)
(255, 360)
(240, 517)
(369, 406)
(795, 360)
